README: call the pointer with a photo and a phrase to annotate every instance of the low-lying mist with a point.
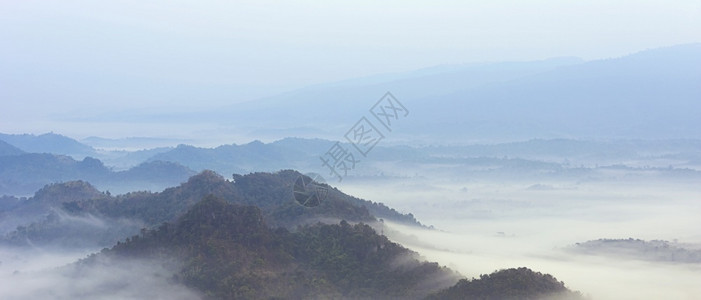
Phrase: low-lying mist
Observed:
(483, 226)
(38, 274)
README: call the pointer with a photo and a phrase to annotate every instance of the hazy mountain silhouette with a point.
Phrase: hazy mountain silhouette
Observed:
(25, 173)
(7, 149)
(650, 94)
(49, 143)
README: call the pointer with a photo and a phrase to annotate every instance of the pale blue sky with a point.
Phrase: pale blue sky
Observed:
(86, 56)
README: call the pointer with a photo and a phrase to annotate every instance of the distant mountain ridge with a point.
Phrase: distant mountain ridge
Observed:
(650, 95)
(25, 173)
(49, 143)
(646, 95)
(155, 169)
(7, 149)
(654, 251)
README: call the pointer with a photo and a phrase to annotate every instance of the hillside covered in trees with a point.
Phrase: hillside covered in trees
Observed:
(79, 211)
(509, 284)
(226, 251)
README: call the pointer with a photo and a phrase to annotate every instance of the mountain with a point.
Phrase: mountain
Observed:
(7, 149)
(233, 158)
(656, 250)
(49, 143)
(509, 284)
(646, 95)
(23, 211)
(339, 105)
(272, 193)
(326, 110)
(25, 173)
(228, 252)
(248, 238)
(130, 143)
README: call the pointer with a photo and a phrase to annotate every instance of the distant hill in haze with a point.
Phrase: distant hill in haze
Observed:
(652, 94)
(232, 158)
(7, 149)
(25, 173)
(49, 143)
(288, 153)
(154, 169)
(130, 143)
(636, 249)
(647, 95)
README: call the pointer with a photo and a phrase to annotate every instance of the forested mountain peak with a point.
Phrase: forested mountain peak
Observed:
(230, 253)
(271, 193)
(58, 193)
(509, 284)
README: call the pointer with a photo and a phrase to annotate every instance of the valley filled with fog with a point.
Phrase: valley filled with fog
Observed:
(362, 150)
(614, 224)
(484, 226)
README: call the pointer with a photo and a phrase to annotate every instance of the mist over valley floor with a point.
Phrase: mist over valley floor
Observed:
(300, 150)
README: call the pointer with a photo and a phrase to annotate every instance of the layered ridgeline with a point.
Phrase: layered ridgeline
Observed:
(248, 238)
(24, 173)
(81, 216)
(226, 251)
(29, 162)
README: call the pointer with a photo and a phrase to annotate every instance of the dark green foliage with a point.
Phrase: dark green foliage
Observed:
(156, 208)
(360, 263)
(228, 252)
(509, 284)
(65, 231)
(272, 193)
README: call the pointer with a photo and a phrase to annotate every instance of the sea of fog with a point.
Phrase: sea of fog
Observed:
(482, 226)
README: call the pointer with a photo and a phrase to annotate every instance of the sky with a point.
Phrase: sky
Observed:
(84, 57)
